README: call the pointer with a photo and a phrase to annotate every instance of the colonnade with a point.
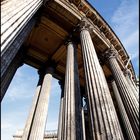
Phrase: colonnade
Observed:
(104, 123)
(16, 24)
(126, 92)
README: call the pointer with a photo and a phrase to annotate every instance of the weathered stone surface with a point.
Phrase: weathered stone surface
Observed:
(10, 51)
(130, 102)
(13, 20)
(40, 116)
(83, 124)
(28, 126)
(131, 84)
(125, 120)
(104, 122)
(72, 129)
(8, 58)
(16, 23)
(6, 78)
(61, 113)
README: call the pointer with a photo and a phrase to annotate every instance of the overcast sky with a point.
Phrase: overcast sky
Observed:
(121, 15)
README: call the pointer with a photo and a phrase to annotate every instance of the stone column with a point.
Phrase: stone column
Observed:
(40, 116)
(15, 14)
(8, 54)
(130, 103)
(61, 114)
(135, 85)
(6, 78)
(16, 23)
(27, 129)
(124, 117)
(133, 88)
(72, 104)
(104, 122)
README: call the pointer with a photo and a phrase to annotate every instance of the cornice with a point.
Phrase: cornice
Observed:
(103, 30)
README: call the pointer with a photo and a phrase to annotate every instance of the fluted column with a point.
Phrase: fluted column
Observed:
(133, 88)
(40, 116)
(16, 23)
(130, 103)
(28, 126)
(72, 104)
(8, 54)
(61, 114)
(6, 78)
(83, 124)
(124, 117)
(15, 15)
(104, 122)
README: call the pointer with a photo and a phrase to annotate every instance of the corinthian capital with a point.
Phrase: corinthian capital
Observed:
(84, 25)
(111, 53)
(127, 73)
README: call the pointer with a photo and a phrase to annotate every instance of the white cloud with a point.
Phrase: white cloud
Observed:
(125, 18)
(131, 40)
(18, 99)
(22, 89)
(131, 45)
(125, 24)
(19, 92)
(6, 128)
(10, 124)
(6, 125)
(22, 86)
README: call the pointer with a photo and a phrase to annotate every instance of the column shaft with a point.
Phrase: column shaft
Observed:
(13, 20)
(39, 121)
(130, 103)
(110, 101)
(72, 105)
(6, 78)
(134, 84)
(135, 91)
(103, 117)
(83, 124)
(16, 23)
(27, 129)
(61, 114)
(8, 54)
(125, 120)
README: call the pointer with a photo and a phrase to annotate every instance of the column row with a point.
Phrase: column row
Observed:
(36, 121)
(102, 114)
(16, 24)
(103, 118)
(127, 95)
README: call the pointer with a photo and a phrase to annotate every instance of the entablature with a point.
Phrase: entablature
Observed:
(109, 36)
(59, 19)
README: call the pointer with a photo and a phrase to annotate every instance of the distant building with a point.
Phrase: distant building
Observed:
(49, 135)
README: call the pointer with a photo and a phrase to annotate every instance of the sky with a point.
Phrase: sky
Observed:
(121, 15)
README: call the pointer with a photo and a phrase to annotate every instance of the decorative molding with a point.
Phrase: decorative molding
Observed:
(110, 53)
(127, 72)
